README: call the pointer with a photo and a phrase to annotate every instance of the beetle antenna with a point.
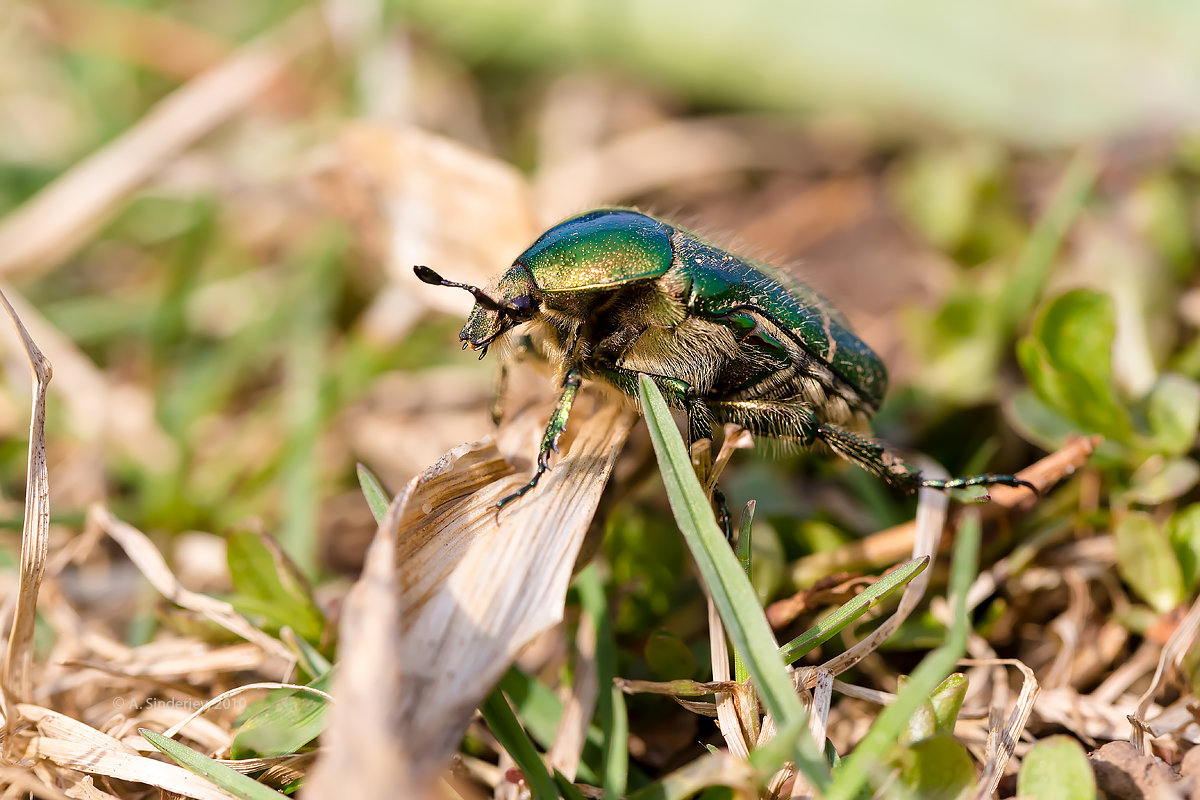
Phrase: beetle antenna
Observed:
(429, 276)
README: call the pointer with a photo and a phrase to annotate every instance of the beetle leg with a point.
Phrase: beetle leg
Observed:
(522, 348)
(773, 418)
(499, 385)
(875, 458)
(554, 432)
(612, 346)
(677, 393)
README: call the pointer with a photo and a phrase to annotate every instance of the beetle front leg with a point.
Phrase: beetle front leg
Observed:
(554, 432)
(496, 408)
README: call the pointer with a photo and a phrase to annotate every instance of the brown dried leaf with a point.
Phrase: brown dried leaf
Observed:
(451, 593)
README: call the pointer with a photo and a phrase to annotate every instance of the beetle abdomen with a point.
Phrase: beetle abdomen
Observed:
(723, 283)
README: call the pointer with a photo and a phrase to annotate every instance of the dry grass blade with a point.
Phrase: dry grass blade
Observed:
(149, 561)
(993, 771)
(23, 780)
(931, 519)
(681, 688)
(469, 588)
(64, 215)
(564, 755)
(35, 530)
(72, 744)
(818, 723)
(1176, 648)
(727, 706)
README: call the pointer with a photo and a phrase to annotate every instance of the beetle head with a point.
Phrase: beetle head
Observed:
(514, 302)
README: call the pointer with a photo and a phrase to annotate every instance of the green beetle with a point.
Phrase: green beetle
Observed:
(613, 293)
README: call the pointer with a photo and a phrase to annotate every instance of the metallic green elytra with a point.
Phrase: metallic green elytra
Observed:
(613, 293)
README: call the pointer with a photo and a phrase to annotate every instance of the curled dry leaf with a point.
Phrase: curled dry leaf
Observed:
(451, 593)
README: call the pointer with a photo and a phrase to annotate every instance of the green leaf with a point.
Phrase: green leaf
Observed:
(831, 625)
(947, 701)
(284, 725)
(269, 587)
(727, 583)
(1183, 531)
(1173, 413)
(372, 489)
(1056, 768)
(225, 777)
(1146, 561)
(768, 561)
(1160, 480)
(1037, 422)
(938, 768)
(669, 658)
(937, 716)
(1068, 360)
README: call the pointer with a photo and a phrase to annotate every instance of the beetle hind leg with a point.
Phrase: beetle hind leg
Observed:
(796, 421)
(875, 458)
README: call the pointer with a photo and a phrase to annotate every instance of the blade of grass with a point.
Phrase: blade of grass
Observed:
(1028, 274)
(865, 759)
(306, 402)
(610, 704)
(824, 630)
(569, 790)
(308, 658)
(727, 583)
(616, 762)
(225, 777)
(508, 731)
(740, 671)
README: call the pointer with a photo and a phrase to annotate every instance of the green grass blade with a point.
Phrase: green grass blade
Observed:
(796, 649)
(508, 731)
(610, 706)
(541, 709)
(1029, 273)
(569, 790)
(731, 591)
(616, 764)
(744, 550)
(871, 752)
(372, 489)
(220, 775)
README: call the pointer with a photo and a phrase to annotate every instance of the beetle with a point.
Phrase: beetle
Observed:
(614, 293)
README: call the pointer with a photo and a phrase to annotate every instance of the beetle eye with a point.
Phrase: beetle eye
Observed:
(522, 305)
